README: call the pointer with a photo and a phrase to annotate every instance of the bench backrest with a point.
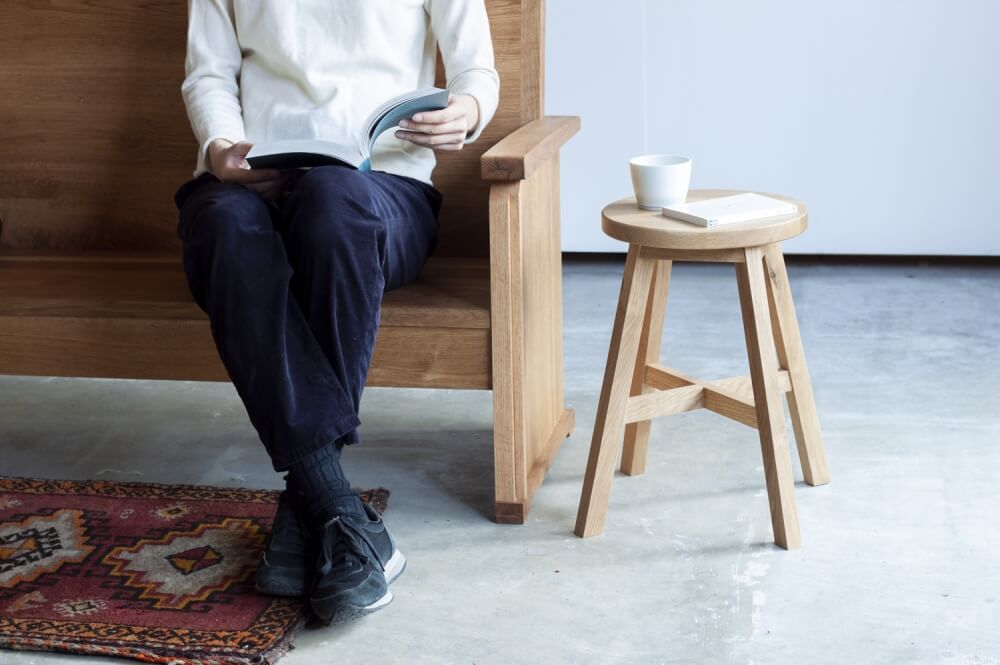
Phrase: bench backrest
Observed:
(94, 139)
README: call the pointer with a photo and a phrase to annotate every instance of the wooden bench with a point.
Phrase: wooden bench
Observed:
(91, 284)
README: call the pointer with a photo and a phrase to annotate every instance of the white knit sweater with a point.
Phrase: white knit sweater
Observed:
(266, 70)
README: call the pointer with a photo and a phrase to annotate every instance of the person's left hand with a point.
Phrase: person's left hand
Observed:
(446, 129)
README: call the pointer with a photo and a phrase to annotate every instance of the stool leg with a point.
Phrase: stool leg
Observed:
(637, 434)
(801, 403)
(767, 399)
(609, 426)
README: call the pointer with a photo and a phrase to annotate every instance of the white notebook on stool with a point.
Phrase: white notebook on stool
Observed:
(730, 210)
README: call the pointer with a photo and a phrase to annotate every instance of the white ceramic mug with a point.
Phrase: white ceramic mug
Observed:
(660, 180)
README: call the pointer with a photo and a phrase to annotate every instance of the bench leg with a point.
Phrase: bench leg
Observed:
(767, 393)
(801, 403)
(637, 434)
(514, 492)
(609, 427)
(530, 416)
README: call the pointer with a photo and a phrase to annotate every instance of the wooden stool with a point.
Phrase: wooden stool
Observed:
(638, 388)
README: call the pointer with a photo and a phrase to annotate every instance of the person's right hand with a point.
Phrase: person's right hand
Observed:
(229, 164)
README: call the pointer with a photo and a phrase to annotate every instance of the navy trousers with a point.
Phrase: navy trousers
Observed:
(293, 290)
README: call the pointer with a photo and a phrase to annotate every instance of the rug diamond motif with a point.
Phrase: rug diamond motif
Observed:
(185, 567)
(193, 560)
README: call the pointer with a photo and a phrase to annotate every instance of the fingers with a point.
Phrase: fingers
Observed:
(248, 176)
(438, 122)
(437, 141)
(452, 123)
(452, 112)
(235, 167)
(242, 148)
(446, 129)
(450, 147)
(236, 156)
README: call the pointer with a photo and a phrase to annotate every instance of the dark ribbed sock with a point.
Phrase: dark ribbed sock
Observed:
(325, 490)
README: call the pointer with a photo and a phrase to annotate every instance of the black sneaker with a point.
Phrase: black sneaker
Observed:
(357, 561)
(286, 566)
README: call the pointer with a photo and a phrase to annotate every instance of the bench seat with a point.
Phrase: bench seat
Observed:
(109, 315)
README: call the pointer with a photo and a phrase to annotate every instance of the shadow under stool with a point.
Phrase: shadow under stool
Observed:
(638, 388)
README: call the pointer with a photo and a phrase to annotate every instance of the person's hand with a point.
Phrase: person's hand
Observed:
(446, 129)
(229, 164)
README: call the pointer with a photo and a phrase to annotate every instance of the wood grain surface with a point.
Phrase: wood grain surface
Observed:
(72, 316)
(625, 221)
(96, 138)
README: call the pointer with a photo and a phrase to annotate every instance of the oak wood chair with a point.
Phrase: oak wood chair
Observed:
(91, 283)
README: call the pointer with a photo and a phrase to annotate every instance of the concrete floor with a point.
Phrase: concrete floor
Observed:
(901, 554)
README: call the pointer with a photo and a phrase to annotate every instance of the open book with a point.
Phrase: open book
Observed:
(315, 152)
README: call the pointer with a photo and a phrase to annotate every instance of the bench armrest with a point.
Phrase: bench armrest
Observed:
(520, 154)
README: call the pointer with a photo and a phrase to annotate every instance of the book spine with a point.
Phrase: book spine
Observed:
(691, 219)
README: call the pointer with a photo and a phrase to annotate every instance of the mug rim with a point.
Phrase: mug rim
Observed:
(679, 160)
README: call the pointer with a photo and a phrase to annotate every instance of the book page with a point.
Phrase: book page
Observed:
(302, 152)
(405, 106)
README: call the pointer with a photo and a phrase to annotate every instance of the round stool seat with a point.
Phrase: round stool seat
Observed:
(625, 221)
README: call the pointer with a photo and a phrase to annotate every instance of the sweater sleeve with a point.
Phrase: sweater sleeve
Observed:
(462, 30)
(212, 70)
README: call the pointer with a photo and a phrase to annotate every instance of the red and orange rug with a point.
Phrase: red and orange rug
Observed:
(159, 573)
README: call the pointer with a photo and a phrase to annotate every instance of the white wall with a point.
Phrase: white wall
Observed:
(882, 115)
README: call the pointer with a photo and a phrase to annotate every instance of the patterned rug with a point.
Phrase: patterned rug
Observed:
(159, 573)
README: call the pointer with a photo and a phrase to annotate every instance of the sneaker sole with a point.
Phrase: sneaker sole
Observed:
(393, 569)
(349, 613)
